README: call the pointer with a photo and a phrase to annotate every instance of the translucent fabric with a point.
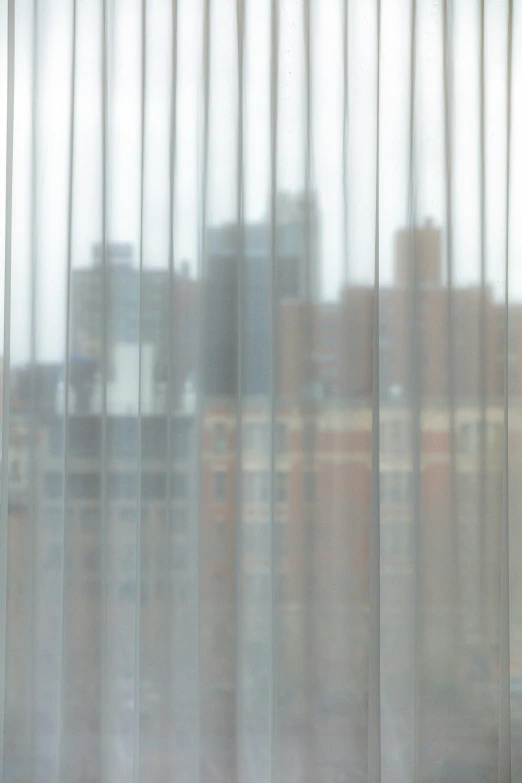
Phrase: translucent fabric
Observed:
(261, 438)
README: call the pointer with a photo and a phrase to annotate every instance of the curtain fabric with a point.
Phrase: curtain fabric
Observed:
(261, 430)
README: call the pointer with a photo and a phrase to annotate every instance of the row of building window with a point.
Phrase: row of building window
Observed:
(256, 487)
(119, 485)
(395, 487)
(84, 438)
(395, 437)
(257, 437)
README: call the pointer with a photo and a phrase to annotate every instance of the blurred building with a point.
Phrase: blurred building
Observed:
(230, 298)
(152, 308)
(156, 512)
(317, 587)
(118, 511)
(418, 253)
(206, 539)
(461, 331)
(34, 387)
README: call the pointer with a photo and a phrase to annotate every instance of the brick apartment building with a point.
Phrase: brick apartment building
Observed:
(246, 566)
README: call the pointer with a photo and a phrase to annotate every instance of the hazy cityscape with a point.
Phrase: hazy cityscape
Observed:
(219, 512)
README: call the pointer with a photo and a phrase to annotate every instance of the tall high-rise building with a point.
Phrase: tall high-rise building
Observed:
(245, 291)
(459, 333)
(111, 304)
(422, 247)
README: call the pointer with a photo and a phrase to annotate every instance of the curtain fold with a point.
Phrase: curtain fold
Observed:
(261, 383)
(8, 253)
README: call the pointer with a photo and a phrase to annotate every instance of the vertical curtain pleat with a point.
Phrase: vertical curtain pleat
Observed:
(448, 152)
(504, 735)
(139, 478)
(311, 681)
(274, 615)
(104, 294)
(4, 498)
(346, 65)
(416, 348)
(65, 610)
(171, 716)
(483, 328)
(242, 738)
(29, 745)
(201, 748)
(374, 631)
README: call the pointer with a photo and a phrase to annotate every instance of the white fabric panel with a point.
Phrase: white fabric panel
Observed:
(261, 391)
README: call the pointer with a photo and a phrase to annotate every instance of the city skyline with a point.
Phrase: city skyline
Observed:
(127, 257)
(48, 180)
(261, 391)
(197, 503)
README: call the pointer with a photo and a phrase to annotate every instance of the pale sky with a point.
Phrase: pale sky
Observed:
(53, 116)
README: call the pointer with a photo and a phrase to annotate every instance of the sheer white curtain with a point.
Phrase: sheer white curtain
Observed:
(261, 440)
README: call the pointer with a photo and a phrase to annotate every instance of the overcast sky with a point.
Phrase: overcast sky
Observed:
(52, 122)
